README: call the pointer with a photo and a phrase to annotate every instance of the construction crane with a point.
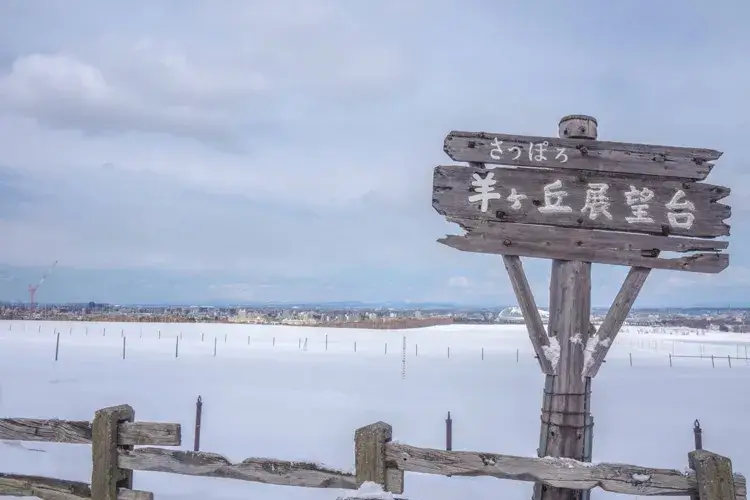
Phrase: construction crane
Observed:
(34, 288)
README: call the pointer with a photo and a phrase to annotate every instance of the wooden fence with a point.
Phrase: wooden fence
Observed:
(113, 435)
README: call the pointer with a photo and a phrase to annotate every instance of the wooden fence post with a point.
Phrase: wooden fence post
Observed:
(714, 475)
(106, 476)
(369, 458)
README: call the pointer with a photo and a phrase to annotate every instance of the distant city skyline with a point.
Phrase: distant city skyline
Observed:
(161, 287)
(283, 151)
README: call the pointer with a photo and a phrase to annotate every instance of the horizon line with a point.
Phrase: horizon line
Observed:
(340, 303)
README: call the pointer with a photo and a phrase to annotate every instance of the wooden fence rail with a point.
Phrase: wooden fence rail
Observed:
(393, 459)
(111, 432)
(113, 435)
(258, 470)
(555, 472)
(57, 489)
(80, 432)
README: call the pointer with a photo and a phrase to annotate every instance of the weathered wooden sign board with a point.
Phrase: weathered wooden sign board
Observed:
(577, 201)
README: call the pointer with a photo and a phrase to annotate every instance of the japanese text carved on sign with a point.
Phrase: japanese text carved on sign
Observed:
(572, 154)
(628, 203)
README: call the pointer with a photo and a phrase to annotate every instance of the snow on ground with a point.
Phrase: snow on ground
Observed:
(276, 391)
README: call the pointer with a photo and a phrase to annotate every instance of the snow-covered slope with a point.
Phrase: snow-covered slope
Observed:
(514, 314)
(297, 393)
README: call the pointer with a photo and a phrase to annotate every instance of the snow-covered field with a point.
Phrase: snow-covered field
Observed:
(286, 393)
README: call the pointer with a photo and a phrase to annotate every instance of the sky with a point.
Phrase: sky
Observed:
(246, 151)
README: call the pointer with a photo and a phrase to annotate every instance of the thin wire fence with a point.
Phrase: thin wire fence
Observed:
(633, 350)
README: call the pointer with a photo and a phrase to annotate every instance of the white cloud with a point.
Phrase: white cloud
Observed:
(274, 64)
(64, 92)
(298, 138)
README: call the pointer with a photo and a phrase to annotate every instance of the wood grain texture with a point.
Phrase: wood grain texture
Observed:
(525, 297)
(555, 472)
(49, 430)
(452, 189)
(533, 320)
(369, 458)
(48, 488)
(149, 434)
(73, 431)
(714, 475)
(259, 470)
(45, 488)
(597, 350)
(106, 477)
(569, 322)
(126, 494)
(578, 127)
(591, 239)
(711, 263)
(740, 486)
(598, 156)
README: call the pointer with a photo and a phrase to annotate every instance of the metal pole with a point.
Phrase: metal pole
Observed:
(198, 413)
(449, 433)
(698, 435)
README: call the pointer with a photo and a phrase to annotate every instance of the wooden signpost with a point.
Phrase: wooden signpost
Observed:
(576, 200)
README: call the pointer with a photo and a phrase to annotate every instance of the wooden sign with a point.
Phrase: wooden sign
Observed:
(582, 200)
(606, 247)
(571, 154)
(576, 200)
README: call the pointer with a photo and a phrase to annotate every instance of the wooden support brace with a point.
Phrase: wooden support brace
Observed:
(714, 475)
(106, 477)
(597, 350)
(370, 461)
(525, 298)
